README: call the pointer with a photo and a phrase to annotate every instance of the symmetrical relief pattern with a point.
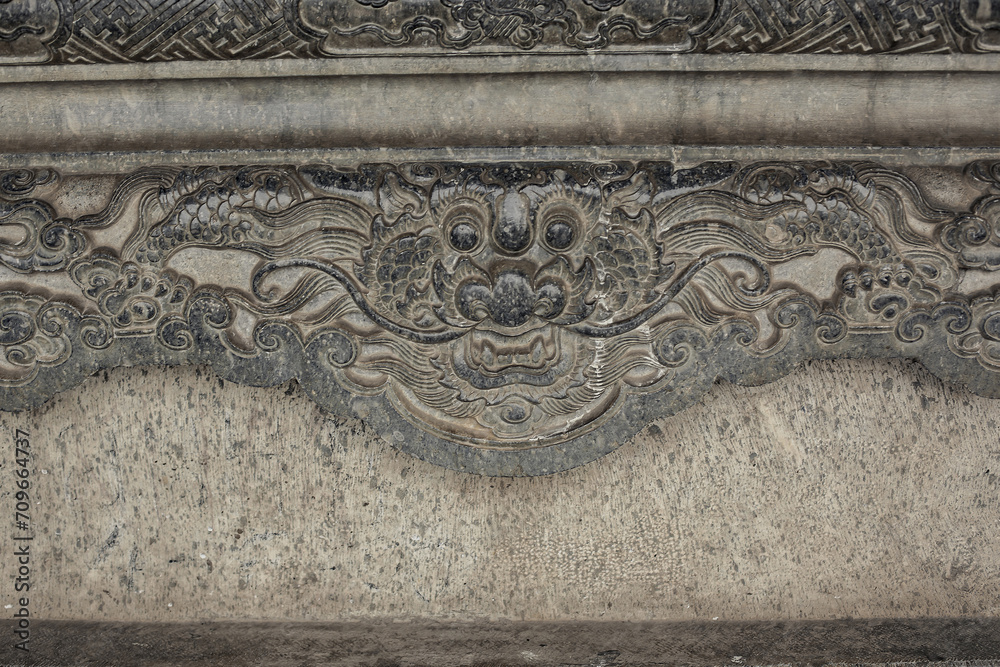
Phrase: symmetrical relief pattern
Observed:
(513, 318)
(509, 24)
(87, 31)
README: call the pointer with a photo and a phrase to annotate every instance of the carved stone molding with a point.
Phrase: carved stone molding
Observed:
(503, 318)
(121, 31)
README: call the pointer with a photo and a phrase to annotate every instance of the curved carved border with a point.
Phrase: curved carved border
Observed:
(499, 318)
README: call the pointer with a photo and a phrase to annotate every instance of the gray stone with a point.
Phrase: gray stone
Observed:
(192, 516)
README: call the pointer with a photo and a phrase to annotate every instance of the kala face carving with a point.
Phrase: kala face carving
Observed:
(498, 318)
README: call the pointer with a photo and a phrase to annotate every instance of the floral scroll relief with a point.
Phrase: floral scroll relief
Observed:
(514, 310)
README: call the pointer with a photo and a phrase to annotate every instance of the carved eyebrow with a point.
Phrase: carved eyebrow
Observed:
(637, 320)
(352, 289)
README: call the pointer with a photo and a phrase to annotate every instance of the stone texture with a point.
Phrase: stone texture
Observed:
(850, 489)
(567, 104)
(908, 643)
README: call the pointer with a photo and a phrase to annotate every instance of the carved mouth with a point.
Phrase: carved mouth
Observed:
(535, 355)
(493, 354)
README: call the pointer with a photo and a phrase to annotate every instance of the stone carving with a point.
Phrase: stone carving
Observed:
(498, 318)
(833, 26)
(505, 24)
(113, 31)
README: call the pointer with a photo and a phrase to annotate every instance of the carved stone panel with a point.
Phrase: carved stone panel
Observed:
(499, 318)
(120, 31)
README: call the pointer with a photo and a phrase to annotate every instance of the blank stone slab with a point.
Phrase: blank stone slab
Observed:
(760, 522)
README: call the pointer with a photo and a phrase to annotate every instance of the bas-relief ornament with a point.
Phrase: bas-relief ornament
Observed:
(505, 319)
(118, 31)
(505, 24)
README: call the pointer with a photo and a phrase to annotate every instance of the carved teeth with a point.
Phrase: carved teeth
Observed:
(487, 354)
(536, 352)
(850, 283)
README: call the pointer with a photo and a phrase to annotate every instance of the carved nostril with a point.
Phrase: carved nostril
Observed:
(511, 301)
(551, 300)
(473, 300)
(512, 231)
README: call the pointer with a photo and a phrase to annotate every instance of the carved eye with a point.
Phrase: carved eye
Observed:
(560, 229)
(464, 237)
(559, 234)
(464, 223)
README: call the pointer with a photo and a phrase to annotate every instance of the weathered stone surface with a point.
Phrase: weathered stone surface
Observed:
(544, 102)
(853, 489)
(845, 643)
